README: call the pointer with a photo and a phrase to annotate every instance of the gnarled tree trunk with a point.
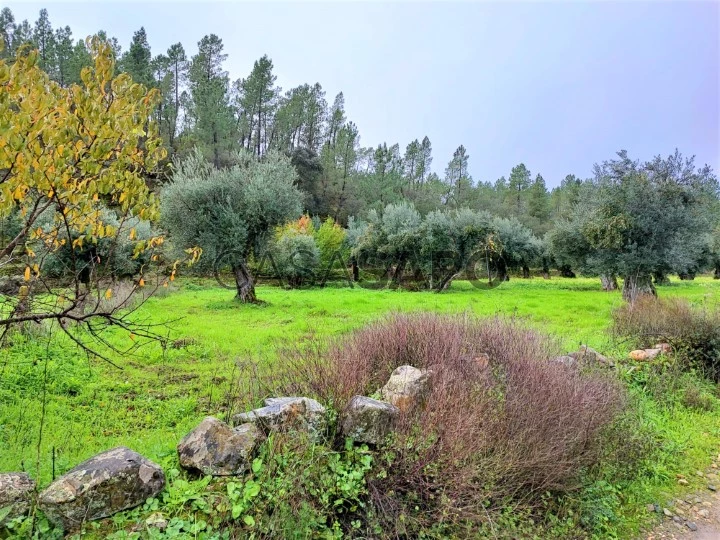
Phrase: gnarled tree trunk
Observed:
(609, 282)
(637, 285)
(717, 271)
(545, 269)
(566, 271)
(245, 283)
(526, 272)
(687, 276)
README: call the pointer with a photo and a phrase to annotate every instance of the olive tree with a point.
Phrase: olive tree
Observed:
(230, 212)
(643, 219)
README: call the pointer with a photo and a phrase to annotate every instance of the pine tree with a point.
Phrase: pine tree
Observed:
(425, 161)
(44, 40)
(136, 61)
(210, 112)
(258, 100)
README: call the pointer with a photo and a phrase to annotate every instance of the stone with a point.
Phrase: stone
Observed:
(667, 512)
(157, 520)
(683, 482)
(407, 387)
(585, 353)
(665, 348)
(638, 355)
(652, 353)
(677, 519)
(650, 507)
(691, 525)
(368, 420)
(298, 413)
(712, 487)
(16, 494)
(216, 449)
(565, 360)
(101, 486)
(700, 473)
(704, 512)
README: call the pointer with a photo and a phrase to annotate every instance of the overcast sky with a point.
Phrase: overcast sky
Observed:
(556, 85)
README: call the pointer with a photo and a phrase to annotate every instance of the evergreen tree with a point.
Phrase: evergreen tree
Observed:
(137, 60)
(425, 161)
(458, 166)
(44, 40)
(213, 125)
(258, 102)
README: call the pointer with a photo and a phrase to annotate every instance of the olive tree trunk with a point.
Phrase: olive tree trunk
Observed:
(638, 285)
(717, 272)
(245, 284)
(609, 282)
(525, 272)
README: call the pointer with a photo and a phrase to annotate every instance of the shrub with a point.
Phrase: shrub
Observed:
(693, 332)
(297, 258)
(330, 238)
(511, 429)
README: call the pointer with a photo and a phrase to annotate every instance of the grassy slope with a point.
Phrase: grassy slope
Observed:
(159, 395)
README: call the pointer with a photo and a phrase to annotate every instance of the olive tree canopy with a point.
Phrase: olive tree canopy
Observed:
(229, 212)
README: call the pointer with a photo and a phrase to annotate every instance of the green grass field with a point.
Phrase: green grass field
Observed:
(157, 395)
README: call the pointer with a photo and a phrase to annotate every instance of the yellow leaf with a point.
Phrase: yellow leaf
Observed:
(27, 273)
(108, 294)
(141, 282)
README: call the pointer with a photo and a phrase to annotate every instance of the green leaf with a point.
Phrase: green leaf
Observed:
(249, 521)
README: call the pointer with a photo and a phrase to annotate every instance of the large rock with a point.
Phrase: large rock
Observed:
(299, 413)
(16, 493)
(588, 354)
(368, 420)
(638, 355)
(406, 388)
(100, 487)
(216, 449)
(652, 353)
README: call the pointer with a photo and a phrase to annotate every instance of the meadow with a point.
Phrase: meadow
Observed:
(58, 406)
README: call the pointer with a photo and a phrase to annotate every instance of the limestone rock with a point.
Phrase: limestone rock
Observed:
(216, 449)
(406, 388)
(101, 486)
(565, 360)
(368, 420)
(664, 347)
(638, 355)
(16, 493)
(287, 413)
(588, 354)
(652, 353)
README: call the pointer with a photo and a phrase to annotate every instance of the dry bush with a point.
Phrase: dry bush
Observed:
(693, 332)
(509, 430)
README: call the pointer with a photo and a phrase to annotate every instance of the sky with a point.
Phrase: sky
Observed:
(557, 85)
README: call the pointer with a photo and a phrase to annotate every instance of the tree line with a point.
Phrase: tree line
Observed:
(639, 221)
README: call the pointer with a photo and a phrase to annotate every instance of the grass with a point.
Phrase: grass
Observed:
(159, 394)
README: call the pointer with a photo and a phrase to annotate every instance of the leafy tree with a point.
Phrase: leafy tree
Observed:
(647, 219)
(230, 212)
(65, 154)
(519, 248)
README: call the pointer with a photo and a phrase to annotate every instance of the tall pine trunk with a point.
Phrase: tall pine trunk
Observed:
(609, 282)
(244, 283)
(637, 285)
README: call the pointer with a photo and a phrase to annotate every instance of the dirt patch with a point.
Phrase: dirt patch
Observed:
(695, 516)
